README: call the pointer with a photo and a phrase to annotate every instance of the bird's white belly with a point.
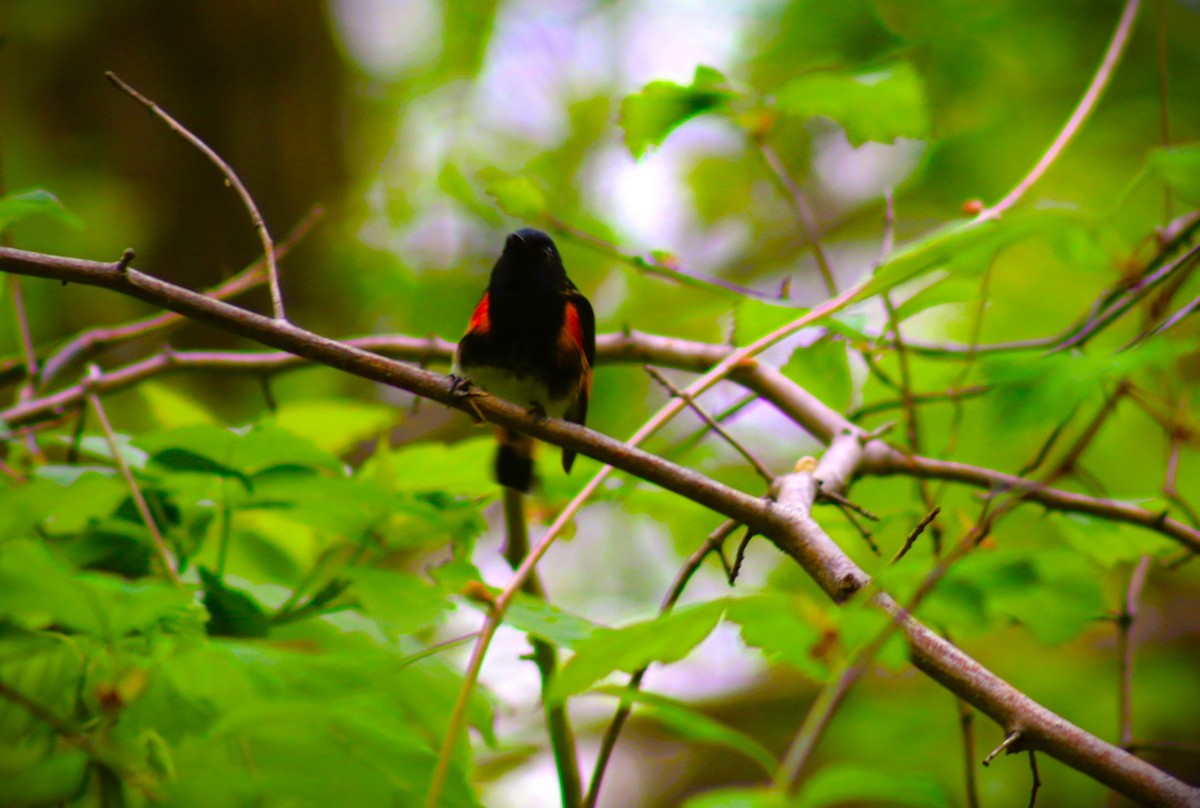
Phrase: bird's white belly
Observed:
(524, 390)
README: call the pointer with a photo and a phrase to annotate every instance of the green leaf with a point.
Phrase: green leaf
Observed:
(823, 369)
(230, 452)
(741, 798)
(97, 446)
(516, 194)
(38, 590)
(399, 601)
(1055, 593)
(232, 613)
(848, 783)
(334, 425)
(539, 618)
(689, 724)
(880, 105)
(660, 107)
(337, 505)
(53, 781)
(968, 245)
(171, 408)
(458, 469)
(668, 638)
(299, 752)
(37, 202)
(45, 668)
(1110, 543)
(953, 288)
(783, 627)
(1179, 168)
(455, 185)
(1043, 389)
(65, 499)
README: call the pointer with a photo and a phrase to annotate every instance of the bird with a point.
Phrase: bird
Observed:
(531, 340)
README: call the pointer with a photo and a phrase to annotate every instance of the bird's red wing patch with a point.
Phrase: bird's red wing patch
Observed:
(481, 321)
(572, 325)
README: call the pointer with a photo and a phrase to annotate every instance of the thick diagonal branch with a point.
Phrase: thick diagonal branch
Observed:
(786, 522)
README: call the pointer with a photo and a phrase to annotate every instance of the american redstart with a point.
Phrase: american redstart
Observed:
(531, 340)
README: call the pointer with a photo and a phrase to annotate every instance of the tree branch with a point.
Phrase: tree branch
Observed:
(1104, 73)
(786, 521)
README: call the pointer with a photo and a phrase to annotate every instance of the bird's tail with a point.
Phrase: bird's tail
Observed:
(514, 460)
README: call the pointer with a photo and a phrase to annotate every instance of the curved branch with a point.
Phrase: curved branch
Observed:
(1104, 73)
(793, 400)
(786, 522)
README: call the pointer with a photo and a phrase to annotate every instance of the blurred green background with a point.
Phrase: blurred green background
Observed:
(402, 120)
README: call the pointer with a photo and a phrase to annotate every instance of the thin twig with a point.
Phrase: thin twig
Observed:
(1125, 649)
(25, 336)
(608, 742)
(1009, 739)
(796, 197)
(1175, 319)
(1036, 781)
(684, 446)
(953, 394)
(545, 655)
(48, 717)
(966, 726)
(985, 291)
(1112, 57)
(1069, 464)
(821, 713)
(911, 418)
(231, 177)
(802, 539)
(741, 556)
(1169, 488)
(863, 532)
(1140, 290)
(1164, 95)
(838, 499)
(94, 340)
(649, 428)
(916, 533)
(656, 264)
(1164, 746)
(160, 545)
(713, 423)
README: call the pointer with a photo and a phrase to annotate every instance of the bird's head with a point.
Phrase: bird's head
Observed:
(530, 260)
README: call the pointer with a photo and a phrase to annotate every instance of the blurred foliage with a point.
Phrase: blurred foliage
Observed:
(336, 541)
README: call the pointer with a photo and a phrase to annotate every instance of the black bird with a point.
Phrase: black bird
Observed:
(531, 340)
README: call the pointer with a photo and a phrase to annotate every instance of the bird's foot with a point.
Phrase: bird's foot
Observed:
(461, 387)
(536, 411)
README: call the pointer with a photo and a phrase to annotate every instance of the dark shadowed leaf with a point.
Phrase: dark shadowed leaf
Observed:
(232, 612)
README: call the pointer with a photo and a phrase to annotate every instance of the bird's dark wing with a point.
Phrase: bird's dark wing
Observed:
(580, 322)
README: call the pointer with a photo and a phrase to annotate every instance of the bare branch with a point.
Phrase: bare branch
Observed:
(796, 197)
(545, 654)
(1104, 73)
(786, 522)
(609, 741)
(713, 424)
(95, 340)
(160, 546)
(231, 178)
